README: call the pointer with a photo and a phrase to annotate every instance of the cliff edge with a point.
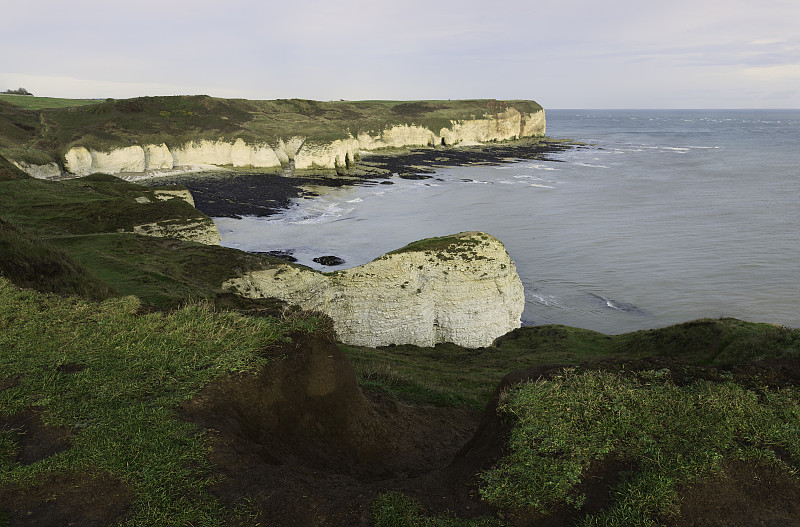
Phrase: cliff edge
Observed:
(151, 134)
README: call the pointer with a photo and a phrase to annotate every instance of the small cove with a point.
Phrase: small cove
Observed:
(664, 217)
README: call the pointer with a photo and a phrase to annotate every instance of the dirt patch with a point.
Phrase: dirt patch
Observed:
(743, 494)
(35, 440)
(88, 500)
(11, 381)
(300, 444)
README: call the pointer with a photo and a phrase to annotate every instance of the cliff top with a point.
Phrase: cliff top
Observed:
(45, 129)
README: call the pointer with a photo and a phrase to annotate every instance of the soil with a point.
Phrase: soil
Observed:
(85, 500)
(299, 443)
(302, 445)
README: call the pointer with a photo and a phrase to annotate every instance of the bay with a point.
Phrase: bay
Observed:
(664, 216)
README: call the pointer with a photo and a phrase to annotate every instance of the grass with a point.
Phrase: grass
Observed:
(89, 205)
(672, 436)
(394, 509)
(28, 261)
(37, 103)
(122, 406)
(163, 273)
(451, 375)
(74, 226)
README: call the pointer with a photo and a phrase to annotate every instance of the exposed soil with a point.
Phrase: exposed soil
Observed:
(94, 500)
(302, 445)
(35, 441)
(85, 500)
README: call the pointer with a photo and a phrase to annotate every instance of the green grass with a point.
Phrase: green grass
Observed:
(89, 205)
(164, 273)
(37, 103)
(75, 225)
(28, 261)
(671, 435)
(451, 375)
(122, 406)
(394, 509)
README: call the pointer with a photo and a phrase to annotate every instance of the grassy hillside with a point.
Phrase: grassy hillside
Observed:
(105, 381)
(37, 103)
(451, 375)
(47, 132)
(77, 224)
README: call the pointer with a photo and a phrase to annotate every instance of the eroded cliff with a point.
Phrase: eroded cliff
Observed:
(309, 151)
(462, 289)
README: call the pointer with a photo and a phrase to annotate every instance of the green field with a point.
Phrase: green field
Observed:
(30, 102)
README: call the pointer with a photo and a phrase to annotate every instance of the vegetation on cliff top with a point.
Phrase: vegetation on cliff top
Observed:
(36, 134)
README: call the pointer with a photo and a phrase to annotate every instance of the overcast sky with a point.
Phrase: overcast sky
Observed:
(563, 54)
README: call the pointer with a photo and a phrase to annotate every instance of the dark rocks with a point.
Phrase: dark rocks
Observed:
(328, 260)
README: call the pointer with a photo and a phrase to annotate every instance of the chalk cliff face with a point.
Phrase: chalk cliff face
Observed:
(307, 153)
(194, 228)
(200, 231)
(462, 289)
(48, 171)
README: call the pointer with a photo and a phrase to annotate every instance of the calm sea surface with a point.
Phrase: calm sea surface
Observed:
(665, 216)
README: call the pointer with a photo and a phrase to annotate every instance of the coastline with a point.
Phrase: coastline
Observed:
(233, 193)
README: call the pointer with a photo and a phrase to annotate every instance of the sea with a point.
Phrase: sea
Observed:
(657, 217)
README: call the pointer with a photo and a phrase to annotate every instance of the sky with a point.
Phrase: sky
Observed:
(573, 54)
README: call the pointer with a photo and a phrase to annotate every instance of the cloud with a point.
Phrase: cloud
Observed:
(560, 53)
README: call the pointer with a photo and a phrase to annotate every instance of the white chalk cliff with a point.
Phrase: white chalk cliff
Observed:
(462, 289)
(307, 153)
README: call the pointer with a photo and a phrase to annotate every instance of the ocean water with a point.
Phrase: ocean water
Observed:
(664, 216)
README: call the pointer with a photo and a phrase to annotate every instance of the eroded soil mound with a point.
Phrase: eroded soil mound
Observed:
(300, 444)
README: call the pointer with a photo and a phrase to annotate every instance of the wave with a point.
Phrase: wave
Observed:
(616, 305)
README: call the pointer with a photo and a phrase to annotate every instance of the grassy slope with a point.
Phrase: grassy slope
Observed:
(37, 103)
(122, 405)
(671, 435)
(451, 375)
(36, 134)
(81, 217)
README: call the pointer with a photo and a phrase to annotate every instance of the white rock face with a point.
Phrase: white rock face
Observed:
(237, 154)
(157, 157)
(462, 289)
(201, 231)
(48, 171)
(128, 159)
(78, 161)
(336, 154)
(307, 154)
(164, 195)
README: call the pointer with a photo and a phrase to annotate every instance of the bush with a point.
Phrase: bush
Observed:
(18, 91)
